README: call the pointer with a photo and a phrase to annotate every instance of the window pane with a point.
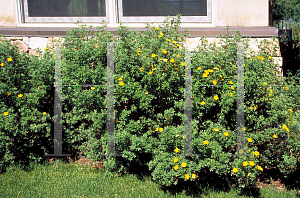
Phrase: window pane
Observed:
(164, 7)
(66, 8)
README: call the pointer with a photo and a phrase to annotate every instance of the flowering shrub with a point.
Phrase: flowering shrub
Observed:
(25, 105)
(151, 130)
(149, 105)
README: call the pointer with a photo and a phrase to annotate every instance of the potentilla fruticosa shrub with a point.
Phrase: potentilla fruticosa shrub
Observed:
(150, 71)
(25, 94)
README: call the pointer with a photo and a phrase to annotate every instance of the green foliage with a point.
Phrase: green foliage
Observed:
(149, 81)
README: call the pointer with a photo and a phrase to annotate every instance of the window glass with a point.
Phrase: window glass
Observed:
(164, 7)
(66, 8)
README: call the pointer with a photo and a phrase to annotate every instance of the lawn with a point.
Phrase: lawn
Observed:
(73, 180)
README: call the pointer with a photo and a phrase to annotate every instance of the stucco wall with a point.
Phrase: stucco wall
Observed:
(7, 13)
(242, 13)
(227, 13)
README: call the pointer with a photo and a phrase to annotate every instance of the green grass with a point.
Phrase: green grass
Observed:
(71, 181)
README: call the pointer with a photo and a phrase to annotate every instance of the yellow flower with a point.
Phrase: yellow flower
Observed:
(183, 164)
(183, 64)
(205, 75)
(285, 127)
(251, 107)
(230, 82)
(20, 95)
(121, 83)
(184, 137)
(176, 69)
(231, 94)
(216, 97)
(2, 64)
(156, 28)
(120, 79)
(139, 51)
(251, 59)
(8, 93)
(262, 58)
(275, 136)
(245, 163)
(187, 176)
(193, 176)
(230, 63)
(202, 103)
(153, 69)
(160, 129)
(216, 68)
(260, 168)
(5, 113)
(199, 68)
(210, 70)
(249, 174)
(249, 140)
(168, 117)
(252, 163)
(172, 60)
(232, 88)
(156, 129)
(161, 33)
(275, 71)
(159, 36)
(286, 88)
(271, 90)
(270, 57)
(153, 55)
(176, 150)
(256, 153)
(44, 113)
(215, 82)
(290, 110)
(175, 160)
(256, 106)
(205, 142)
(265, 83)
(176, 167)
(146, 93)
(93, 88)
(9, 59)
(178, 55)
(177, 135)
(164, 51)
(169, 40)
(46, 48)
(150, 72)
(220, 76)
(174, 42)
(226, 134)
(141, 69)
(235, 170)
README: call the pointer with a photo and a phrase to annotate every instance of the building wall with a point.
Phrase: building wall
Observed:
(8, 13)
(225, 13)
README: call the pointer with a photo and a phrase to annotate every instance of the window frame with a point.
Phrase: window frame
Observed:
(184, 19)
(87, 19)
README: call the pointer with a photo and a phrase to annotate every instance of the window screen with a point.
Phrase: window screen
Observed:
(164, 7)
(66, 8)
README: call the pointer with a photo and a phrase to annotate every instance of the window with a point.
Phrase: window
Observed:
(64, 10)
(156, 10)
(143, 11)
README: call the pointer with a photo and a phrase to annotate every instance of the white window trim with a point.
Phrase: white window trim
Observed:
(112, 22)
(149, 19)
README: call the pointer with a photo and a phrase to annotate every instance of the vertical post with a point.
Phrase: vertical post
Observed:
(188, 106)
(57, 106)
(240, 119)
(110, 100)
